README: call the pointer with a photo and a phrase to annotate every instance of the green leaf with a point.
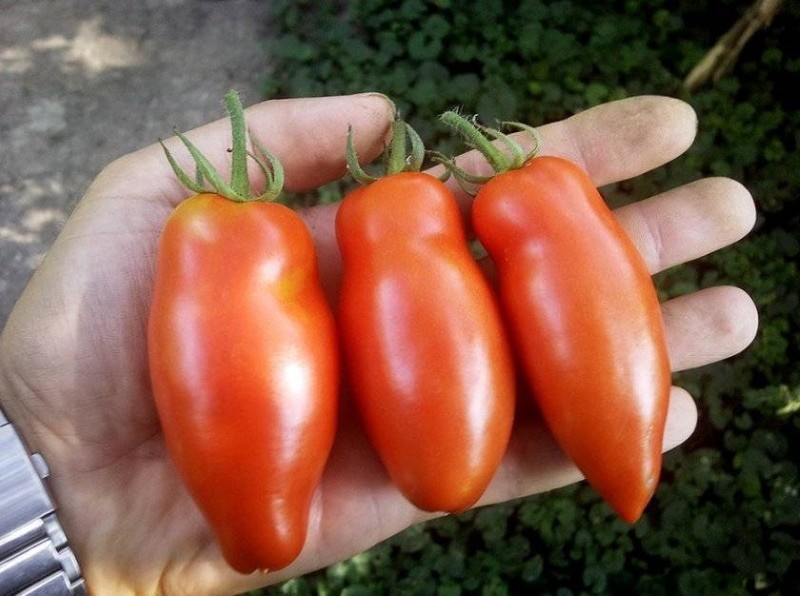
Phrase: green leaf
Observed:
(422, 47)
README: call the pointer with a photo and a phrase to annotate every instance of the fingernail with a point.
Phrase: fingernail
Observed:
(386, 98)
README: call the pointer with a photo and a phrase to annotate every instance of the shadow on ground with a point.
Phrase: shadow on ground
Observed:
(85, 81)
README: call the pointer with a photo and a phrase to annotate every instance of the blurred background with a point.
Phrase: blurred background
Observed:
(84, 82)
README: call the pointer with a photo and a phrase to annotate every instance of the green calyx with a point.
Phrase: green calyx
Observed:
(405, 153)
(482, 138)
(208, 179)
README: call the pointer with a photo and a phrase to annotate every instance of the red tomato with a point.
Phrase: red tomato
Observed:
(586, 323)
(425, 348)
(244, 366)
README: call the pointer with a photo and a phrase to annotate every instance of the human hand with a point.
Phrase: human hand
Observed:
(73, 358)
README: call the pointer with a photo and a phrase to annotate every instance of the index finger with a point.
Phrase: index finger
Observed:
(305, 134)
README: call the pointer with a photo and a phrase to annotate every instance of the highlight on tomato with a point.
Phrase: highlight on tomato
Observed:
(243, 356)
(582, 310)
(426, 354)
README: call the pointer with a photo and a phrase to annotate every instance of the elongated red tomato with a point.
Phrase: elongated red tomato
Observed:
(586, 323)
(425, 349)
(243, 356)
(244, 367)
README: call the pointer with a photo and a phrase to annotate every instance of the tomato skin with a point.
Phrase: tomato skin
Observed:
(428, 360)
(586, 323)
(244, 366)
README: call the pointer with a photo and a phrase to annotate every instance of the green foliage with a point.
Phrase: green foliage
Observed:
(529, 59)
(726, 517)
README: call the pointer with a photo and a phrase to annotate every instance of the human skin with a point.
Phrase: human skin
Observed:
(73, 359)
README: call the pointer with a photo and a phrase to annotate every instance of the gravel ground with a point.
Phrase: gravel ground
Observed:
(83, 82)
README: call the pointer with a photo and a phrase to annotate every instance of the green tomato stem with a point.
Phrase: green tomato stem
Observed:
(195, 185)
(209, 172)
(239, 187)
(537, 139)
(240, 183)
(477, 139)
(417, 155)
(405, 153)
(353, 165)
(273, 174)
(480, 138)
(396, 154)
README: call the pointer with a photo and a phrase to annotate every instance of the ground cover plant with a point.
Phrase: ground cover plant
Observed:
(726, 516)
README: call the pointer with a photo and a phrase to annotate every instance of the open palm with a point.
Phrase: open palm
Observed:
(73, 359)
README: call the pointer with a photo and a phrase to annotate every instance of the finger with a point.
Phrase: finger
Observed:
(320, 222)
(708, 326)
(688, 222)
(307, 136)
(681, 419)
(536, 464)
(626, 138)
(358, 514)
(611, 142)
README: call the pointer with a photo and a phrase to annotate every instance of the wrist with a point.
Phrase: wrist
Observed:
(35, 557)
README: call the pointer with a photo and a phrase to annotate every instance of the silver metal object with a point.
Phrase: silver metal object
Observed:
(35, 559)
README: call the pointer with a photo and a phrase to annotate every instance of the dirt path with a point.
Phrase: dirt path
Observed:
(85, 81)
